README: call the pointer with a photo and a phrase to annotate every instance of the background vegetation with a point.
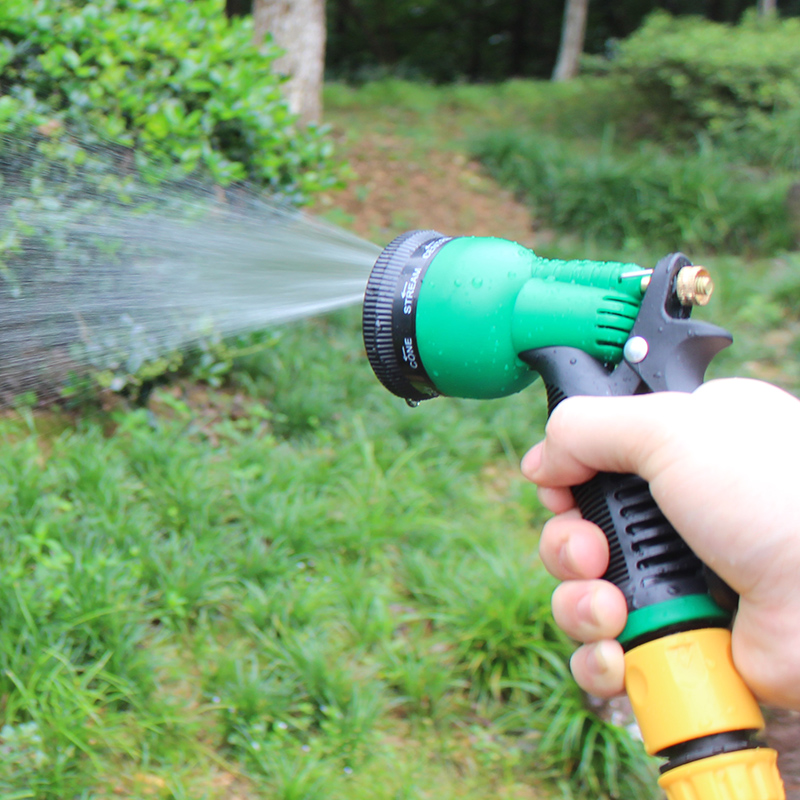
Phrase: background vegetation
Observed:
(689, 141)
(291, 586)
(485, 40)
(176, 86)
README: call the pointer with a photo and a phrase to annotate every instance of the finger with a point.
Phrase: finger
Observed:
(599, 668)
(531, 460)
(589, 610)
(556, 500)
(613, 434)
(553, 499)
(572, 548)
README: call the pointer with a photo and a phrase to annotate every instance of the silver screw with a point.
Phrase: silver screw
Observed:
(636, 349)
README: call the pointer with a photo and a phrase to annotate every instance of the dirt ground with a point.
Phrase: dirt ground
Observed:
(395, 187)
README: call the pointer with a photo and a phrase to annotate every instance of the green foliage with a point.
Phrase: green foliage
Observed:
(764, 140)
(322, 608)
(712, 75)
(737, 83)
(301, 588)
(688, 140)
(501, 621)
(579, 751)
(460, 110)
(303, 602)
(176, 85)
(649, 197)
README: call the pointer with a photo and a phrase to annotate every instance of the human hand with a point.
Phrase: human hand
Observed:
(723, 464)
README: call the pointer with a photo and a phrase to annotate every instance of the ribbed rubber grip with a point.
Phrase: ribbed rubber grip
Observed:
(648, 560)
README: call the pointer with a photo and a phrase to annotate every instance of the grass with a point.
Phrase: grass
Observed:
(300, 602)
(589, 158)
(698, 200)
(295, 587)
(454, 113)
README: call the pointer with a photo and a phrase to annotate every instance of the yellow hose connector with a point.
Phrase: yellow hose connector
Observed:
(685, 686)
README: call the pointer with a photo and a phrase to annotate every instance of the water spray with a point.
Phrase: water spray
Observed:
(110, 274)
(483, 318)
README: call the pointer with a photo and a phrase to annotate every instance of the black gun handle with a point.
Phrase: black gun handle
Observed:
(648, 560)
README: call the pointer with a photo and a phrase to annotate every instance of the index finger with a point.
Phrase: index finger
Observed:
(586, 435)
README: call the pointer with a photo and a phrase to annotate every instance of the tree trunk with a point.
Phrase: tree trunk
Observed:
(297, 28)
(767, 8)
(572, 36)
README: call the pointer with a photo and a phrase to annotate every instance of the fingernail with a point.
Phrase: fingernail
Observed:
(565, 559)
(532, 460)
(597, 655)
(585, 609)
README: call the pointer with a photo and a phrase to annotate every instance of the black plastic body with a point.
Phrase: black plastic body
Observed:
(649, 561)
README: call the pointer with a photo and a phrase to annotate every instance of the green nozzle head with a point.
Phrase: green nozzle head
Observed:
(451, 315)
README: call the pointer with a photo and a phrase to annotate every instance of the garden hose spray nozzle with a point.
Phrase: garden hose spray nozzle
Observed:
(483, 318)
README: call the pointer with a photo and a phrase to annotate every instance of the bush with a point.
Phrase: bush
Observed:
(767, 140)
(647, 197)
(720, 105)
(710, 76)
(175, 81)
(738, 84)
(115, 111)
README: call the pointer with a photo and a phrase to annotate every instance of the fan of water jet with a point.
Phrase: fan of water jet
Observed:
(115, 279)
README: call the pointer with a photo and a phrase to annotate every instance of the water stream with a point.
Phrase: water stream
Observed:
(112, 272)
